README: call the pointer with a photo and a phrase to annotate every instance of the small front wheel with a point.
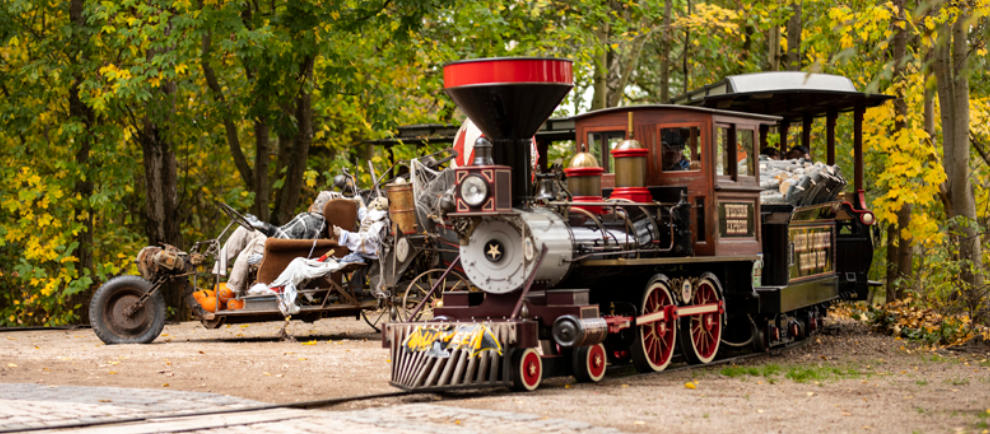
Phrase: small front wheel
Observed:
(589, 363)
(117, 316)
(526, 369)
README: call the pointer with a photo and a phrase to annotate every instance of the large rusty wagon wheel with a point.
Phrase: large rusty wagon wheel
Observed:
(654, 341)
(420, 287)
(117, 316)
(702, 334)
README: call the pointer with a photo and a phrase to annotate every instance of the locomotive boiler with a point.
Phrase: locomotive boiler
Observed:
(657, 242)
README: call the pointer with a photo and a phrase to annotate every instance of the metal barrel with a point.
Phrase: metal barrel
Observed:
(401, 207)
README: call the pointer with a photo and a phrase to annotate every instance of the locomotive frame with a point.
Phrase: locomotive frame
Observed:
(687, 259)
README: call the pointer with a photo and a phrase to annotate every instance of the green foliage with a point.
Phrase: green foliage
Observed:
(73, 209)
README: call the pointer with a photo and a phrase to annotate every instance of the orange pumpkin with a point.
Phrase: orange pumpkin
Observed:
(225, 294)
(209, 304)
(207, 299)
(235, 304)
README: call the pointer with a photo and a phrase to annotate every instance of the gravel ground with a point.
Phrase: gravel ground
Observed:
(846, 379)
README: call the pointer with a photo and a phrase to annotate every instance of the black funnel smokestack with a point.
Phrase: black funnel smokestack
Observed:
(509, 98)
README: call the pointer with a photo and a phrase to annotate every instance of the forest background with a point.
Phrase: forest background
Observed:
(122, 122)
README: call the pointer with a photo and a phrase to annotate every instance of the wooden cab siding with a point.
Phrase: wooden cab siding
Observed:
(718, 201)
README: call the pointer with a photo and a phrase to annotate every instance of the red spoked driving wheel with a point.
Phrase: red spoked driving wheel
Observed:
(703, 332)
(653, 346)
(527, 369)
(590, 363)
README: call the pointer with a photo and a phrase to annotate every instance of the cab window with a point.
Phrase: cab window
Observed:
(723, 142)
(680, 148)
(601, 143)
(745, 155)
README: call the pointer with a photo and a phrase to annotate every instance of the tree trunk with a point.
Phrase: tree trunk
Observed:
(78, 110)
(891, 280)
(161, 207)
(83, 187)
(666, 42)
(951, 53)
(624, 66)
(262, 185)
(600, 79)
(792, 59)
(684, 53)
(773, 49)
(294, 160)
(899, 254)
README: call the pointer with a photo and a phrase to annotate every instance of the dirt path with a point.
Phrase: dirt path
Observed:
(846, 379)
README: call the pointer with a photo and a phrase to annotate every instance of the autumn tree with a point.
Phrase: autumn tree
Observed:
(952, 76)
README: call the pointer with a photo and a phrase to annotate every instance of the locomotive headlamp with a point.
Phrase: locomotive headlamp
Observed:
(474, 190)
(866, 218)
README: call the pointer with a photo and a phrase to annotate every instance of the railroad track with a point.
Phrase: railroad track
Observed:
(621, 371)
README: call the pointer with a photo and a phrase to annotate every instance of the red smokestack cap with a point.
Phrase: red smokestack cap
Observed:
(508, 98)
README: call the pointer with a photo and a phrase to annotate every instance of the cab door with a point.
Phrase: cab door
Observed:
(681, 160)
(736, 188)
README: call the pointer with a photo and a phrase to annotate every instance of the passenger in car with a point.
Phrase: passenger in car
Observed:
(248, 245)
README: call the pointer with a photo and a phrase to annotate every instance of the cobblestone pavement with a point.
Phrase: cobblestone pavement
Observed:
(38, 407)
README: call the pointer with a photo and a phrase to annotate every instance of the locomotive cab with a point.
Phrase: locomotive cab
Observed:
(707, 154)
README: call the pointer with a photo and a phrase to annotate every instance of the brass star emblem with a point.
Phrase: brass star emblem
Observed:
(493, 251)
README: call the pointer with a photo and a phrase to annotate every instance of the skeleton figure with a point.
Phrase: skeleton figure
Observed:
(248, 246)
(366, 241)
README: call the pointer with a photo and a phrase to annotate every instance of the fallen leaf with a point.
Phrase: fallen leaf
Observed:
(810, 394)
(112, 372)
(268, 374)
(303, 358)
(164, 384)
(690, 385)
(244, 326)
(105, 400)
(312, 342)
(567, 386)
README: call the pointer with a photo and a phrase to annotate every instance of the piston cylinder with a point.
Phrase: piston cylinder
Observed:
(571, 331)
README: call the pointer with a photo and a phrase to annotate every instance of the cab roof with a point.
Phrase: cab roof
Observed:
(789, 94)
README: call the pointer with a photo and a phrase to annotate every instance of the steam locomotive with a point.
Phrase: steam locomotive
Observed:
(658, 242)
